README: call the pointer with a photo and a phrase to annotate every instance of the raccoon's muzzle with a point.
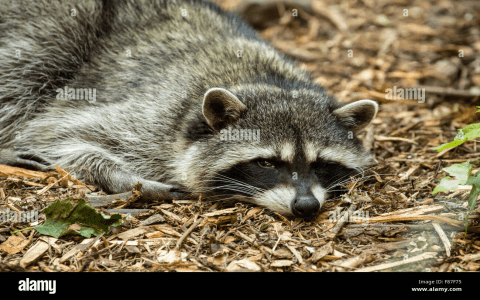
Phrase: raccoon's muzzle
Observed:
(305, 206)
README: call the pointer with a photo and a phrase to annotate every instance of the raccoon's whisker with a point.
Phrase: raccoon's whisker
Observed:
(332, 199)
(355, 174)
(339, 181)
(252, 178)
(353, 177)
(235, 182)
(368, 192)
(364, 177)
(235, 187)
(347, 180)
(240, 182)
(342, 178)
(223, 195)
(241, 187)
(231, 188)
(361, 171)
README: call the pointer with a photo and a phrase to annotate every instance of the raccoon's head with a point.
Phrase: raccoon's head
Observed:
(282, 148)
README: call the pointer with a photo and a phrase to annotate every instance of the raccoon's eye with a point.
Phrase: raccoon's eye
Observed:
(265, 164)
(326, 166)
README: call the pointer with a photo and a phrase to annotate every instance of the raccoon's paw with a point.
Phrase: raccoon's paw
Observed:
(179, 192)
(19, 158)
(157, 190)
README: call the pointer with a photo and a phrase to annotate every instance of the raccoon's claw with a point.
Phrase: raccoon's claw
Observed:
(158, 190)
(12, 157)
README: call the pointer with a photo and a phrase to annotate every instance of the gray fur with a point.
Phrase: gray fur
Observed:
(146, 123)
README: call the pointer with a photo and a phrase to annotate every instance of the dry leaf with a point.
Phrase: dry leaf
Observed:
(14, 244)
(243, 265)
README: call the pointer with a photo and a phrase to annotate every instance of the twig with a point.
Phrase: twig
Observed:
(343, 219)
(424, 256)
(252, 241)
(394, 139)
(98, 252)
(448, 91)
(184, 236)
(45, 189)
(426, 227)
(406, 128)
(443, 237)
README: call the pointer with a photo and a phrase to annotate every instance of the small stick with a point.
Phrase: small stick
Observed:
(443, 237)
(250, 240)
(394, 139)
(448, 91)
(343, 219)
(425, 227)
(424, 256)
(45, 189)
(184, 236)
(406, 128)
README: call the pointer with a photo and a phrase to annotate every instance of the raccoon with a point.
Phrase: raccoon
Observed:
(175, 94)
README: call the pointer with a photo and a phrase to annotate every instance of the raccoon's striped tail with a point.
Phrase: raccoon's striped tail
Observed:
(42, 47)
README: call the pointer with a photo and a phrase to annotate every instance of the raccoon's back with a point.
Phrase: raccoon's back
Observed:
(164, 53)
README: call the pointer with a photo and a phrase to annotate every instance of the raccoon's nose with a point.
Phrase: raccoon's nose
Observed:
(305, 206)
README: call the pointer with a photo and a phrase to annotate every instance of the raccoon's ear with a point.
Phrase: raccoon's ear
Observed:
(357, 115)
(221, 108)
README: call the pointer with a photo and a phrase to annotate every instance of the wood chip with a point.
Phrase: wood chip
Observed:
(130, 234)
(7, 171)
(471, 257)
(296, 253)
(68, 175)
(243, 265)
(96, 201)
(108, 263)
(281, 263)
(14, 244)
(320, 253)
(35, 252)
(171, 215)
(132, 249)
(152, 220)
(227, 211)
(356, 261)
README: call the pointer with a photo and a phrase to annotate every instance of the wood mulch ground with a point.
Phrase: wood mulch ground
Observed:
(358, 50)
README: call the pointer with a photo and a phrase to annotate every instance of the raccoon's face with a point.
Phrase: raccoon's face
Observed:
(289, 187)
(282, 153)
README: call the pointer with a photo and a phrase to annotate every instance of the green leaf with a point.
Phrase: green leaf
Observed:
(472, 197)
(475, 183)
(446, 184)
(448, 145)
(461, 171)
(66, 217)
(470, 132)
